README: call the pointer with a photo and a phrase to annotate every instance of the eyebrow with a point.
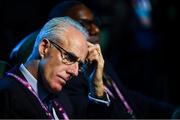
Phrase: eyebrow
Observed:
(70, 53)
(76, 57)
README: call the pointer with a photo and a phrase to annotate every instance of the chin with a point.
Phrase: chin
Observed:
(56, 89)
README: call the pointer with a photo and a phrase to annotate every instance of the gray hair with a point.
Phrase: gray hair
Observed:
(56, 27)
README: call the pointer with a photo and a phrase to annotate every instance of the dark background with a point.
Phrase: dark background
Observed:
(146, 59)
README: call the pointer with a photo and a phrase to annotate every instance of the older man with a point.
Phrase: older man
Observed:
(29, 90)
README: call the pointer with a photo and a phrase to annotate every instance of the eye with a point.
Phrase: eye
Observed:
(66, 55)
(71, 57)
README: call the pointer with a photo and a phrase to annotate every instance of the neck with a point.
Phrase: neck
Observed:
(32, 67)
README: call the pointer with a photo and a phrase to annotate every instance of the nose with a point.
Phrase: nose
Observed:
(94, 30)
(73, 69)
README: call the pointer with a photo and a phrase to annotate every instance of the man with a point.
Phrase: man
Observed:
(124, 102)
(30, 90)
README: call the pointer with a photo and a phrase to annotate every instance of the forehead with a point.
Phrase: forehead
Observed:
(80, 12)
(74, 41)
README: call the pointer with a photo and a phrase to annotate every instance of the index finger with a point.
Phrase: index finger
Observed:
(89, 44)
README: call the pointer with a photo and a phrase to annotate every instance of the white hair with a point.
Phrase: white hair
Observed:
(56, 27)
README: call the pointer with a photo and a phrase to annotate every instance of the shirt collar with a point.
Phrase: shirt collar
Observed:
(33, 82)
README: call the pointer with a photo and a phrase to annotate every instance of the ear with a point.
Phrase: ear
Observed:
(43, 47)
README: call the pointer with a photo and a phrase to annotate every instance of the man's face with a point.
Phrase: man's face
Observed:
(84, 16)
(61, 59)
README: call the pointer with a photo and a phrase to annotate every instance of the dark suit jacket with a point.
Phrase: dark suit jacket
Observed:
(143, 106)
(16, 101)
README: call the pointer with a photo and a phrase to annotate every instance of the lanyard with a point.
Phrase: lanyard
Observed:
(28, 86)
(121, 97)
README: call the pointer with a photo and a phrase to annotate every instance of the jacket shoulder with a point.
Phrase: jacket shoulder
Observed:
(6, 83)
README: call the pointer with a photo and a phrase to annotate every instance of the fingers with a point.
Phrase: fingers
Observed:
(94, 48)
(94, 52)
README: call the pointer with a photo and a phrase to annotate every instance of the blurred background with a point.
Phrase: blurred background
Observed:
(139, 37)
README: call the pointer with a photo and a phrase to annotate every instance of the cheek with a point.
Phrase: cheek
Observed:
(53, 79)
(47, 66)
(50, 69)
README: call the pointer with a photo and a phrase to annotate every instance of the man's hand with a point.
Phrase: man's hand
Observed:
(96, 77)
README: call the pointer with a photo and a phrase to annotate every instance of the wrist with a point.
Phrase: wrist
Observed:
(97, 90)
